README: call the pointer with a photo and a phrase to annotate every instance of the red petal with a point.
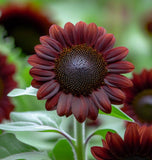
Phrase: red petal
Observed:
(6, 70)
(58, 34)
(64, 104)
(91, 34)
(105, 42)
(41, 75)
(3, 59)
(40, 63)
(36, 84)
(48, 90)
(92, 110)
(146, 140)
(101, 100)
(150, 78)
(138, 83)
(51, 43)
(51, 103)
(79, 108)
(101, 153)
(80, 29)
(101, 31)
(132, 139)
(71, 32)
(115, 54)
(120, 67)
(118, 81)
(114, 94)
(45, 53)
(35, 60)
(116, 144)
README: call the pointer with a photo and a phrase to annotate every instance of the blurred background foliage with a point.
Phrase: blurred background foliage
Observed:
(129, 21)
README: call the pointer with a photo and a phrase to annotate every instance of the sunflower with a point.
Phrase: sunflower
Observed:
(25, 23)
(78, 71)
(137, 145)
(6, 85)
(138, 103)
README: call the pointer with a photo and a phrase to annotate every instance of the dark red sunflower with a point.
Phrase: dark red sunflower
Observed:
(138, 102)
(6, 85)
(137, 145)
(77, 70)
(25, 23)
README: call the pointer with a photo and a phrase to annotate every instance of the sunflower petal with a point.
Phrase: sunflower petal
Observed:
(118, 81)
(120, 67)
(79, 108)
(115, 54)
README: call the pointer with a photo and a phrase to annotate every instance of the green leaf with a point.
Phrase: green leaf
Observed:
(116, 112)
(33, 121)
(103, 132)
(20, 92)
(99, 132)
(63, 151)
(44, 118)
(39, 121)
(27, 126)
(10, 145)
(29, 156)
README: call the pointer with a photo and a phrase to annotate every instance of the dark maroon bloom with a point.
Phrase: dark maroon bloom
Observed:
(6, 85)
(137, 145)
(25, 23)
(77, 70)
(138, 103)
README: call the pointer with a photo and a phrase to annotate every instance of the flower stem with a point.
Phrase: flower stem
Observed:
(79, 129)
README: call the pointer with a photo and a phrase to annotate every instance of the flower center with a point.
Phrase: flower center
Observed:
(137, 158)
(142, 104)
(80, 70)
(1, 88)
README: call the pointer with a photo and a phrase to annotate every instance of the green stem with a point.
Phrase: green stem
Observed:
(79, 129)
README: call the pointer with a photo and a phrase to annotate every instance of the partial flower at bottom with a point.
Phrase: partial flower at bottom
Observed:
(137, 145)
(77, 70)
(7, 83)
(138, 102)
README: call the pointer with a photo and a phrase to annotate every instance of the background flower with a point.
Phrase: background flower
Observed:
(78, 71)
(25, 23)
(138, 103)
(7, 83)
(137, 145)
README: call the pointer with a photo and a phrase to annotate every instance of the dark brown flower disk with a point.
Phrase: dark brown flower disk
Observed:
(77, 70)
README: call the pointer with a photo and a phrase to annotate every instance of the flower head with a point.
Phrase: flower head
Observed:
(6, 85)
(78, 72)
(138, 102)
(137, 145)
(25, 23)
